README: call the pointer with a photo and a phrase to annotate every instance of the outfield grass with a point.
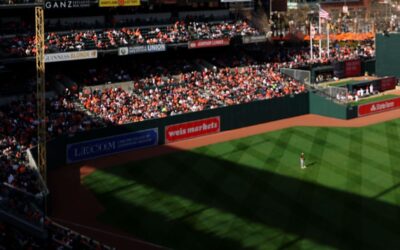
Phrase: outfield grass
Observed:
(251, 193)
(340, 83)
(375, 99)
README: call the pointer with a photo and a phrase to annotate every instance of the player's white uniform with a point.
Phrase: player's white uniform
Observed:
(302, 165)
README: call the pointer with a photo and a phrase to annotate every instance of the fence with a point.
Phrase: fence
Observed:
(226, 118)
(335, 94)
(302, 76)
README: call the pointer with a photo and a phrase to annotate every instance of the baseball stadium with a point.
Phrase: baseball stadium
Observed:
(196, 125)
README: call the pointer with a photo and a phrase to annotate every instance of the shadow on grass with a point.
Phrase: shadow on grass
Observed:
(307, 210)
(310, 164)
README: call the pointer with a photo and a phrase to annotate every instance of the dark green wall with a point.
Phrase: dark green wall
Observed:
(231, 117)
(321, 105)
(388, 54)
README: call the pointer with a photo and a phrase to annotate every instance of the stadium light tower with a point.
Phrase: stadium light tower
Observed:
(40, 93)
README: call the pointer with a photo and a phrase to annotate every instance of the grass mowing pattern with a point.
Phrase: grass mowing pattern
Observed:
(251, 193)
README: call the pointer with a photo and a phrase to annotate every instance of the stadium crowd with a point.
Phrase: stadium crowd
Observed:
(179, 32)
(18, 126)
(193, 91)
(147, 98)
(60, 238)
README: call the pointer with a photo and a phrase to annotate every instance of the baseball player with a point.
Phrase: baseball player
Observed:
(302, 161)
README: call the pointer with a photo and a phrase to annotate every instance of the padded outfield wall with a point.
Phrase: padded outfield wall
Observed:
(100, 142)
(388, 54)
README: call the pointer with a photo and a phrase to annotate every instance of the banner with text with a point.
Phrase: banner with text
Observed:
(118, 3)
(91, 149)
(70, 56)
(376, 107)
(352, 68)
(67, 4)
(187, 130)
(387, 83)
(149, 48)
(254, 39)
(209, 43)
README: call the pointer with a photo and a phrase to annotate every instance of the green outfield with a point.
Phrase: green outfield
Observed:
(347, 81)
(251, 193)
(375, 99)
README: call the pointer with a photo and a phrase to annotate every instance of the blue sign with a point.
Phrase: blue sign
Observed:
(111, 145)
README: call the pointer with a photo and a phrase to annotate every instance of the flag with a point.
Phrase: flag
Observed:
(324, 14)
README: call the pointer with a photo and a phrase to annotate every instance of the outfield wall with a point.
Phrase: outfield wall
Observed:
(116, 139)
(321, 105)
(388, 54)
(98, 143)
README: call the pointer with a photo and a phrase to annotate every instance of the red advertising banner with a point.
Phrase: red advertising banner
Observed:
(183, 131)
(376, 107)
(387, 83)
(352, 68)
(209, 43)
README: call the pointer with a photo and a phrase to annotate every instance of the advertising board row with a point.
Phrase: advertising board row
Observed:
(71, 4)
(101, 147)
(151, 48)
(377, 107)
(140, 49)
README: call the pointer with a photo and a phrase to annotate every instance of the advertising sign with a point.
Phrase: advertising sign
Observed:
(149, 48)
(235, 1)
(254, 39)
(67, 4)
(111, 145)
(70, 56)
(183, 131)
(388, 83)
(118, 3)
(376, 107)
(352, 68)
(209, 43)
(338, 70)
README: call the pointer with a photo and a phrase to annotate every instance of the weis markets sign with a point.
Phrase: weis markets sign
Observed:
(209, 43)
(111, 145)
(70, 56)
(70, 4)
(376, 107)
(192, 129)
(149, 48)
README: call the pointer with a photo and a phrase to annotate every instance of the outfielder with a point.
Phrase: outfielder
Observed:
(302, 161)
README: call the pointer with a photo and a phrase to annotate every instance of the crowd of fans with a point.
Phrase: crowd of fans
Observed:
(179, 32)
(146, 98)
(59, 238)
(18, 126)
(194, 91)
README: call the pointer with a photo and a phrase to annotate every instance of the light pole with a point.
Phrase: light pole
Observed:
(270, 9)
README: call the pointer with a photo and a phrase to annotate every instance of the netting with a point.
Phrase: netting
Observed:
(302, 76)
(336, 94)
